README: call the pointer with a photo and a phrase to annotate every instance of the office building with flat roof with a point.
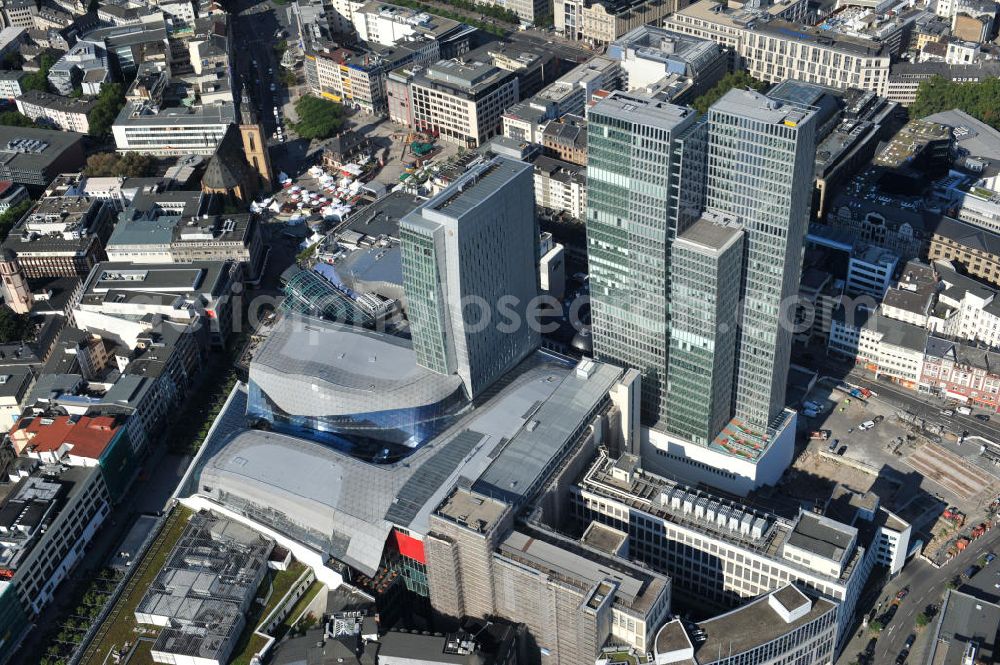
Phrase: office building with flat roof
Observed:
(785, 625)
(33, 157)
(475, 246)
(636, 148)
(480, 564)
(144, 127)
(682, 66)
(48, 516)
(770, 198)
(61, 236)
(388, 25)
(720, 552)
(771, 42)
(705, 267)
(124, 297)
(461, 102)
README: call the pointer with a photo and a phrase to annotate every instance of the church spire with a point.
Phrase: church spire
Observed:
(247, 114)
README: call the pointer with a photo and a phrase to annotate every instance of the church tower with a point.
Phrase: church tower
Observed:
(13, 285)
(254, 143)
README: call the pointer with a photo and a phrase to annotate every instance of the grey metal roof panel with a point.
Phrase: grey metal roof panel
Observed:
(316, 368)
(550, 429)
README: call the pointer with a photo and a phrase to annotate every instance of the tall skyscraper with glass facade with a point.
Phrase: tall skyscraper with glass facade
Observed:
(470, 273)
(705, 270)
(759, 170)
(635, 147)
(695, 229)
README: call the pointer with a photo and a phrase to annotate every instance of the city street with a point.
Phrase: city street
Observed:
(927, 586)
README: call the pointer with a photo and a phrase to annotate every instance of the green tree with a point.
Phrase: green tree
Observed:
(109, 103)
(13, 327)
(39, 80)
(875, 626)
(922, 620)
(10, 218)
(544, 21)
(740, 79)
(15, 119)
(318, 118)
(129, 165)
(980, 100)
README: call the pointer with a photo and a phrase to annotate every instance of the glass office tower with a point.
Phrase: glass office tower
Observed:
(633, 162)
(705, 268)
(759, 170)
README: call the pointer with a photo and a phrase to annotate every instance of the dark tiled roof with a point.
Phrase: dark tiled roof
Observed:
(228, 168)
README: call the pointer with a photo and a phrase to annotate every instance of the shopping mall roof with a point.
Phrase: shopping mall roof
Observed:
(310, 367)
(346, 506)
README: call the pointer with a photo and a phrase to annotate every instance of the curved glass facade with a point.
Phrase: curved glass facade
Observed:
(378, 436)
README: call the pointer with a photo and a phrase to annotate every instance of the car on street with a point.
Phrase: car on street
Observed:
(902, 593)
(867, 425)
(970, 572)
(947, 412)
(889, 614)
(908, 644)
(842, 450)
(903, 655)
(833, 445)
(869, 651)
(983, 417)
(990, 557)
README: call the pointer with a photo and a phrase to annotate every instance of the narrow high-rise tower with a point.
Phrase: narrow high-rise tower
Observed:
(760, 165)
(705, 271)
(470, 273)
(255, 143)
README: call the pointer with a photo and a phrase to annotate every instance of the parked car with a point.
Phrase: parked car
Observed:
(990, 557)
(970, 572)
(867, 425)
(983, 417)
(833, 445)
(908, 644)
(947, 412)
(964, 410)
(903, 655)
(843, 449)
(901, 594)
